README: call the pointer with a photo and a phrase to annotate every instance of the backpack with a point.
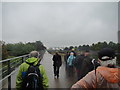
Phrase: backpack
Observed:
(33, 78)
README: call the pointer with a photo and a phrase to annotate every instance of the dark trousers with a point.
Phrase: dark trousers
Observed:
(78, 74)
(70, 70)
(66, 66)
(56, 71)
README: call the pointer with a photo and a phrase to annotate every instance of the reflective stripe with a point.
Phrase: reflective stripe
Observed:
(32, 74)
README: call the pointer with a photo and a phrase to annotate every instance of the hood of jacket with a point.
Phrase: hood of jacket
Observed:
(110, 74)
(32, 60)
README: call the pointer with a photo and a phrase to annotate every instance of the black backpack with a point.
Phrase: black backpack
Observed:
(33, 78)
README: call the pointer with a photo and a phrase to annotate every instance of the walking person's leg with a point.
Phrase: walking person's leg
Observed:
(78, 75)
(55, 71)
(69, 70)
(66, 65)
(58, 71)
(72, 70)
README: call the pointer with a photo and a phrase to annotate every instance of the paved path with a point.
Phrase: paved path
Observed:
(62, 82)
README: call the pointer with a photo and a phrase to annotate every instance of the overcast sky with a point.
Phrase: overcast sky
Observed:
(60, 24)
(0, 34)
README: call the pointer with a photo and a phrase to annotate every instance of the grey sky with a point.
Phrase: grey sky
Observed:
(59, 0)
(60, 24)
(0, 21)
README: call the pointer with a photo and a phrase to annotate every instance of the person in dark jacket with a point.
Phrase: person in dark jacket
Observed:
(65, 59)
(57, 62)
(77, 64)
(87, 64)
(106, 76)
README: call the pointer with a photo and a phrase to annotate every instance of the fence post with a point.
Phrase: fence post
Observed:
(9, 78)
(22, 59)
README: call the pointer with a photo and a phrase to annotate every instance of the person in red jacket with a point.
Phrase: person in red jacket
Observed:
(105, 76)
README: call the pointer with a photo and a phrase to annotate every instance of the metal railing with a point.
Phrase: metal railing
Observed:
(8, 68)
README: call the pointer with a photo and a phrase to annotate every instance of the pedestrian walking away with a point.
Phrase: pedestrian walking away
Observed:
(65, 59)
(31, 74)
(57, 62)
(78, 64)
(70, 61)
(87, 64)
